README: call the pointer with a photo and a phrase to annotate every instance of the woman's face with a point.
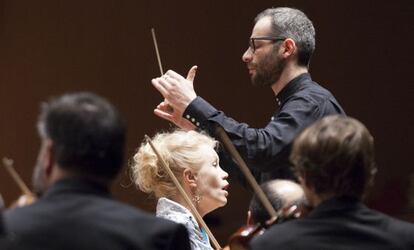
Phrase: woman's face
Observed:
(211, 182)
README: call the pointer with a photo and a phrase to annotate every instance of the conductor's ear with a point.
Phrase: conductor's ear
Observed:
(288, 48)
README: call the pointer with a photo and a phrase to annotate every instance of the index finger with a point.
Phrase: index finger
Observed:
(174, 75)
(158, 85)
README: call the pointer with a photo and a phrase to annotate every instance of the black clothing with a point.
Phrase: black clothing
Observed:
(266, 150)
(80, 214)
(340, 224)
(2, 232)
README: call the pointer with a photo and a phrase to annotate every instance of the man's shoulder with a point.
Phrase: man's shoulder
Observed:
(395, 226)
(117, 212)
(79, 212)
(278, 235)
(107, 221)
(368, 227)
(315, 97)
(285, 229)
(311, 89)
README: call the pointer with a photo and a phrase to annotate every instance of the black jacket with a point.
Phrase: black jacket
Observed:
(339, 224)
(79, 214)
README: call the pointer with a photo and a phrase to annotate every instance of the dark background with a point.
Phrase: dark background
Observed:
(363, 55)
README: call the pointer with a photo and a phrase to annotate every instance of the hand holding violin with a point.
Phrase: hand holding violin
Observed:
(240, 239)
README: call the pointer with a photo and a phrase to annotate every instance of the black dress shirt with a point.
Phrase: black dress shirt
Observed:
(266, 150)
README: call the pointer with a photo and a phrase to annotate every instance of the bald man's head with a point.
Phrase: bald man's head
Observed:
(281, 193)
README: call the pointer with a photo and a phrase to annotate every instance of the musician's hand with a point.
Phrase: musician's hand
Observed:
(177, 91)
(23, 200)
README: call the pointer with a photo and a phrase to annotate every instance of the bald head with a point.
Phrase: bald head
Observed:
(287, 190)
(281, 193)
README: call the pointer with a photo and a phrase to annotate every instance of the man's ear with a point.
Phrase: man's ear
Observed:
(48, 158)
(304, 181)
(189, 178)
(288, 47)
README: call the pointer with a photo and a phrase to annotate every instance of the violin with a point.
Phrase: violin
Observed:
(241, 238)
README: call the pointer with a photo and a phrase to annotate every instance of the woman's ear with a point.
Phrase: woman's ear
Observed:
(189, 178)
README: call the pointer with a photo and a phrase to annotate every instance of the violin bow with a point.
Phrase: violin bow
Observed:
(224, 138)
(184, 194)
(8, 164)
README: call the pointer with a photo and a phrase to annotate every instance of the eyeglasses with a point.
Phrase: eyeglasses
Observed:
(252, 41)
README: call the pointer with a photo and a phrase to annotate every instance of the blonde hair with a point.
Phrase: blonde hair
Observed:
(179, 149)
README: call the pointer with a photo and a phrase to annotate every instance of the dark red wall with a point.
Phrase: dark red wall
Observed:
(364, 56)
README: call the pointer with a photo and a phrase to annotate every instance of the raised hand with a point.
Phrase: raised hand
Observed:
(166, 112)
(178, 93)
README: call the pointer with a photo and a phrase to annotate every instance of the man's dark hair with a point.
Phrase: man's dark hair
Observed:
(294, 24)
(274, 191)
(336, 156)
(87, 132)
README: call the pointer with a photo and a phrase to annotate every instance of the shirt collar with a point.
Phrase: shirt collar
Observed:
(292, 87)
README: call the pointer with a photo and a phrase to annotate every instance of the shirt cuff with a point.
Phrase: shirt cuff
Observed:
(198, 112)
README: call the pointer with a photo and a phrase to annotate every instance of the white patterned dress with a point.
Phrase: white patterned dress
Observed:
(173, 211)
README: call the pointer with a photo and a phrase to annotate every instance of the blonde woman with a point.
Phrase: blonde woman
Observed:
(192, 158)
